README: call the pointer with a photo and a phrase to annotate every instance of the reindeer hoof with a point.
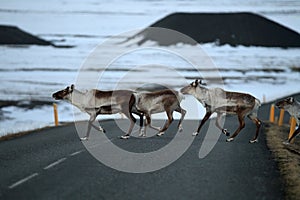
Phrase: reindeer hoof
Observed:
(180, 129)
(195, 134)
(84, 138)
(125, 137)
(226, 132)
(142, 135)
(229, 139)
(102, 129)
(160, 134)
(253, 141)
(286, 142)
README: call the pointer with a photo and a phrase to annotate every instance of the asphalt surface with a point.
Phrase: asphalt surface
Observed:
(54, 164)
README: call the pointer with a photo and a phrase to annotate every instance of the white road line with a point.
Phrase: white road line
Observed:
(75, 153)
(47, 167)
(22, 180)
(55, 163)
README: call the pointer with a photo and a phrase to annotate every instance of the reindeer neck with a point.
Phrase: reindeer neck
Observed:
(202, 94)
(76, 98)
(296, 108)
(293, 109)
(202, 91)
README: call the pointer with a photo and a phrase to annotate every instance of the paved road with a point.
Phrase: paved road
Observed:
(54, 164)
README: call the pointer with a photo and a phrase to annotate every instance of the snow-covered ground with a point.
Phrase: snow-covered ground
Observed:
(35, 72)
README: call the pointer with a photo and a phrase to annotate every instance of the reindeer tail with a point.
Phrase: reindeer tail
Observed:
(135, 97)
(136, 100)
(253, 113)
(257, 103)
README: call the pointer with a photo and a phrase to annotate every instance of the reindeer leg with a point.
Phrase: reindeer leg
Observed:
(154, 127)
(100, 128)
(132, 122)
(88, 132)
(150, 124)
(167, 124)
(90, 123)
(182, 112)
(296, 132)
(219, 115)
(258, 124)
(127, 110)
(241, 118)
(206, 117)
(141, 130)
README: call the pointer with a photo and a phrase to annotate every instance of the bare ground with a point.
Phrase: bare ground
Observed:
(287, 157)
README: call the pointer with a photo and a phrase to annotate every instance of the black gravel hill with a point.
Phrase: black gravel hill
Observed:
(242, 28)
(11, 35)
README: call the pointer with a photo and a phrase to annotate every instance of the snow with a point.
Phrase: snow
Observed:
(35, 72)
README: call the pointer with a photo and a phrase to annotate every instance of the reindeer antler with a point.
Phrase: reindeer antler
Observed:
(200, 82)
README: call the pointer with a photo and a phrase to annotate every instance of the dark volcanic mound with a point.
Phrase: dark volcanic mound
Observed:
(246, 29)
(11, 35)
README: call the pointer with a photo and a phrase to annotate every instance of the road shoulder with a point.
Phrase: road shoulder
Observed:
(287, 157)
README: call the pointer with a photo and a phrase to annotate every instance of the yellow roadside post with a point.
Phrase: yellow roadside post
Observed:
(264, 98)
(280, 121)
(55, 114)
(272, 114)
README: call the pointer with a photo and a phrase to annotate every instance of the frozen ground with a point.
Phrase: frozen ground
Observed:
(34, 72)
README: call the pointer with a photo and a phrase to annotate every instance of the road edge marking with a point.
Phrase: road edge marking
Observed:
(76, 152)
(23, 180)
(55, 163)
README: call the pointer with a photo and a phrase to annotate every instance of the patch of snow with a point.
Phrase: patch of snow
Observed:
(34, 72)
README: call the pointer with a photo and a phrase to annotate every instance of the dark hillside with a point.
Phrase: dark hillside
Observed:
(246, 29)
(11, 35)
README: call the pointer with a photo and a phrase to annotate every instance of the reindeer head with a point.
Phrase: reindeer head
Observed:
(285, 103)
(191, 88)
(63, 94)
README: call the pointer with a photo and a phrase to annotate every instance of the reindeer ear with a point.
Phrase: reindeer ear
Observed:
(195, 83)
(71, 88)
(203, 83)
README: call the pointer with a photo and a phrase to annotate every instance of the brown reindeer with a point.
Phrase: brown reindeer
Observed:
(292, 106)
(225, 102)
(155, 102)
(95, 102)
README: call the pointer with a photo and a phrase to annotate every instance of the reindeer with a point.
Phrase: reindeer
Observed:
(155, 102)
(95, 102)
(222, 102)
(293, 107)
